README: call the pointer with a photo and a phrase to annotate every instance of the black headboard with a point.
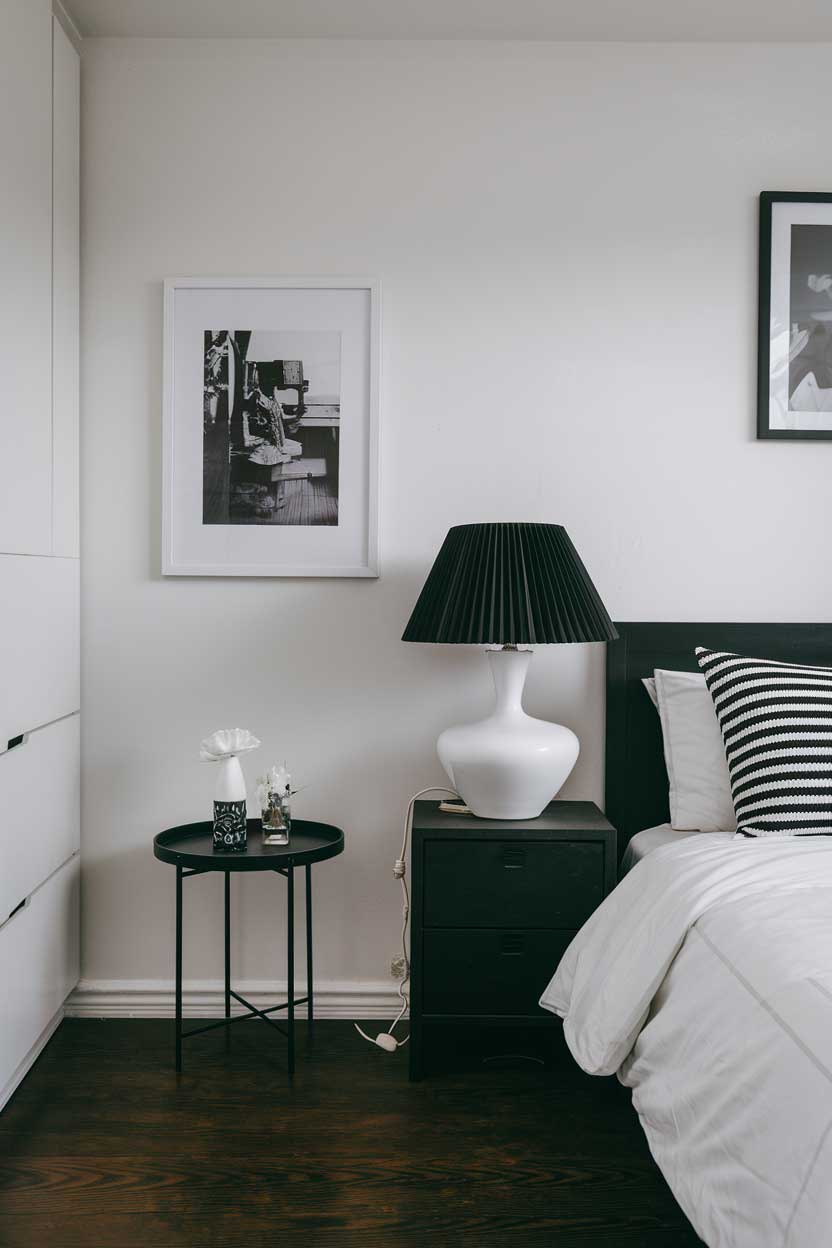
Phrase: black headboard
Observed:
(636, 779)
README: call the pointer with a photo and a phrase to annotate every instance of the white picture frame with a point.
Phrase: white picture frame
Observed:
(302, 499)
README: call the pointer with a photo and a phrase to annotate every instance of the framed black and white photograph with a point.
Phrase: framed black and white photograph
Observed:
(794, 392)
(271, 427)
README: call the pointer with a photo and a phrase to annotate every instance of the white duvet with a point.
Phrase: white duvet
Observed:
(705, 981)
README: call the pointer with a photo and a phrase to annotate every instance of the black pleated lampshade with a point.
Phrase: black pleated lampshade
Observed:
(508, 584)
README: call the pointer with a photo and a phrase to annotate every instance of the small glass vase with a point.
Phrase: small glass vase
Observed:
(275, 825)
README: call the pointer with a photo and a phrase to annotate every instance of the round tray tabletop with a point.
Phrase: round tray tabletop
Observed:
(192, 845)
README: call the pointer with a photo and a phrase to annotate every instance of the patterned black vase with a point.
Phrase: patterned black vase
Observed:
(229, 827)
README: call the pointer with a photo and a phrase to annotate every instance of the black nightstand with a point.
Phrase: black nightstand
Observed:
(495, 904)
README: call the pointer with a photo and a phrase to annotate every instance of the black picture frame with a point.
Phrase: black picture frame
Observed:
(768, 199)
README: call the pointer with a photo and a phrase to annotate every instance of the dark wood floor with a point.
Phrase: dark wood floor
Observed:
(305, 501)
(103, 1145)
(215, 472)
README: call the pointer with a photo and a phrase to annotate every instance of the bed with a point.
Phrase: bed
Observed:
(643, 843)
(704, 981)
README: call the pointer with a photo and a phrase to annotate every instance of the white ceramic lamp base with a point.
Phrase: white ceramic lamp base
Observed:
(510, 765)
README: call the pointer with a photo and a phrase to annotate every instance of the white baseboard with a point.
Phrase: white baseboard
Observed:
(154, 998)
(31, 1057)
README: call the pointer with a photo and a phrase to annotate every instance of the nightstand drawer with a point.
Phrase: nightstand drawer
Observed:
(497, 973)
(513, 883)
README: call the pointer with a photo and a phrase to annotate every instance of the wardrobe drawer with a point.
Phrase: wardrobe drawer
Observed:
(38, 967)
(39, 642)
(26, 277)
(527, 883)
(40, 800)
(499, 972)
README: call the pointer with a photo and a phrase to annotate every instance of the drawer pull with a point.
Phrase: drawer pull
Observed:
(21, 905)
(14, 742)
(512, 943)
(514, 857)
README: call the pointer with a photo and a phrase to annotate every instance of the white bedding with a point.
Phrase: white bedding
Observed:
(643, 843)
(705, 981)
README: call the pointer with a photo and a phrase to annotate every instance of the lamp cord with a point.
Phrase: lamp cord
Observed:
(400, 874)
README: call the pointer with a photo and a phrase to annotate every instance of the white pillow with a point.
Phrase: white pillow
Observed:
(694, 754)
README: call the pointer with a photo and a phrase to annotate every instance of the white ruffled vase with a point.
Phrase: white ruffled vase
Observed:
(230, 827)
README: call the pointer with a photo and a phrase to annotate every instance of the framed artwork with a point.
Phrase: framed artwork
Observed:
(794, 386)
(270, 448)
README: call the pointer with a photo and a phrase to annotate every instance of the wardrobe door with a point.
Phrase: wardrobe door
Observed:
(66, 108)
(38, 970)
(39, 643)
(26, 268)
(40, 781)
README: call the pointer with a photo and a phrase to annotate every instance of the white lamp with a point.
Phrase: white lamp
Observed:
(508, 585)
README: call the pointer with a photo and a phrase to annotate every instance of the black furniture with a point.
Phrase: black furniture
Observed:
(636, 778)
(495, 904)
(190, 848)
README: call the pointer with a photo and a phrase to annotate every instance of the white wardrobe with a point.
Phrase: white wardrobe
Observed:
(39, 540)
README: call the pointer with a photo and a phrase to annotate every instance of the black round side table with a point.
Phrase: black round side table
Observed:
(190, 848)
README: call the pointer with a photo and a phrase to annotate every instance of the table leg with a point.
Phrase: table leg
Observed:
(227, 945)
(309, 1009)
(290, 885)
(178, 969)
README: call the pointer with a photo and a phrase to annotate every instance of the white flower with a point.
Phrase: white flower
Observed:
(281, 779)
(785, 347)
(276, 780)
(263, 791)
(226, 743)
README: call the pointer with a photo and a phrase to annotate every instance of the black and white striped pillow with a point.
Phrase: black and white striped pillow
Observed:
(776, 721)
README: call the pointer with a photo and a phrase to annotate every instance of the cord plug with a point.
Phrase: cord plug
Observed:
(383, 1040)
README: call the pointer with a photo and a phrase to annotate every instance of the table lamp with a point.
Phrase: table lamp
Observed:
(506, 586)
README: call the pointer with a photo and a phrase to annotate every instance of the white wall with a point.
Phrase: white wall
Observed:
(566, 236)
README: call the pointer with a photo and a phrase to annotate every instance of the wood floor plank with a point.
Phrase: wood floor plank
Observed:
(103, 1145)
(215, 472)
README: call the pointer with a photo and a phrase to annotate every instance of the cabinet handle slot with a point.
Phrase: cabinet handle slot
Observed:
(514, 857)
(14, 742)
(21, 905)
(512, 943)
